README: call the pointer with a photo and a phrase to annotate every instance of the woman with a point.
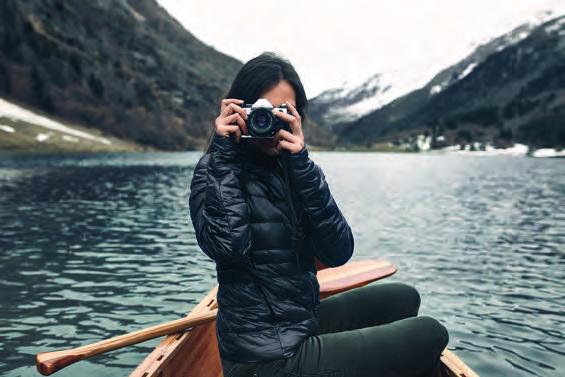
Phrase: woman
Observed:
(262, 210)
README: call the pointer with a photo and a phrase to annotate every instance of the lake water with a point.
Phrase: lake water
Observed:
(93, 246)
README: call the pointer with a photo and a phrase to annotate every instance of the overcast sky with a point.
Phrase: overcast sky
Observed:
(330, 42)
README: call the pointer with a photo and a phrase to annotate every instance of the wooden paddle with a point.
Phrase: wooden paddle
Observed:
(50, 362)
(351, 275)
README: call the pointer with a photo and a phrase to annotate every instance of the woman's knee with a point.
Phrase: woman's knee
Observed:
(404, 298)
(412, 296)
(435, 331)
(407, 296)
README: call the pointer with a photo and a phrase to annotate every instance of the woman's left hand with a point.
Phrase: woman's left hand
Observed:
(292, 142)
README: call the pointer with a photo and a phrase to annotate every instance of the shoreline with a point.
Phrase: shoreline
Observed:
(539, 153)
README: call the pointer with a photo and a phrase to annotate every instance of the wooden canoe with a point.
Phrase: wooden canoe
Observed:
(194, 352)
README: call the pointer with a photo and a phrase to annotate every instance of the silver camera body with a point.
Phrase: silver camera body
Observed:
(261, 122)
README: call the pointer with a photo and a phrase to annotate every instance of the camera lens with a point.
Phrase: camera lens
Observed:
(260, 122)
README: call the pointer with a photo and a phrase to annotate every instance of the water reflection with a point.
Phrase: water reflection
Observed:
(97, 245)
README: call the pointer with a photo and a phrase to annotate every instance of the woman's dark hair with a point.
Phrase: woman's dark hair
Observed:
(261, 74)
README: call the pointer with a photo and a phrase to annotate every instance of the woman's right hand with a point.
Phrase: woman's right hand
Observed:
(231, 119)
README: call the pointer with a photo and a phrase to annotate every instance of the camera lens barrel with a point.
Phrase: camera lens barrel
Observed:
(261, 122)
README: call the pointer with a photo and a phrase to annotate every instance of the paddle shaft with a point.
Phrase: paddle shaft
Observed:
(50, 362)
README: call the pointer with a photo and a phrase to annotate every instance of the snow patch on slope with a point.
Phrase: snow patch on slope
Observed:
(558, 25)
(41, 137)
(17, 113)
(7, 129)
(467, 70)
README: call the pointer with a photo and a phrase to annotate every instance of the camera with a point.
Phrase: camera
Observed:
(261, 122)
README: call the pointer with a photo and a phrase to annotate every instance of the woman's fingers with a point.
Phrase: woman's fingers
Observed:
(239, 120)
(227, 101)
(243, 125)
(292, 143)
(235, 118)
(291, 147)
(233, 108)
(233, 128)
(227, 125)
(293, 110)
(294, 120)
(285, 135)
(284, 116)
(297, 126)
(231, 113)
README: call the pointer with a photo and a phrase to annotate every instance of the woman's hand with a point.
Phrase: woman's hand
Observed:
(292, 142)
(231, 119)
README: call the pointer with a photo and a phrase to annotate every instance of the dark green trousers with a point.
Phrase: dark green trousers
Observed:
(372, 331)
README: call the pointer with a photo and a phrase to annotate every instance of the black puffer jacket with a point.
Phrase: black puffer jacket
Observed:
(264, 239)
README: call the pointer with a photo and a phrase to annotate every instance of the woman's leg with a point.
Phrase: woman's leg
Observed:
(343, 351)
(408, 347)
(370, 305)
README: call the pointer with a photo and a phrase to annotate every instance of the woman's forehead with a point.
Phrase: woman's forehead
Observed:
(281, 93)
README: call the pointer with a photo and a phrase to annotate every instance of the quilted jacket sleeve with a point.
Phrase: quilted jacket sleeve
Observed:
(329, 231)
(218, 209)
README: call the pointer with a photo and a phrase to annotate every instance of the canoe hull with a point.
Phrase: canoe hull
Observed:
(191, 353)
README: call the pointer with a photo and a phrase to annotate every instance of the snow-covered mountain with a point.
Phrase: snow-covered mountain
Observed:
(463, 68)
(349, 102)
(509, 90)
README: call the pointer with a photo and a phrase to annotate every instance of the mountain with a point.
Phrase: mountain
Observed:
(347, 102)
(125, 68)
(511, 89)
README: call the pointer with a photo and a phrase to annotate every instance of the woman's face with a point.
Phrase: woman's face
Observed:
(281, 93)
